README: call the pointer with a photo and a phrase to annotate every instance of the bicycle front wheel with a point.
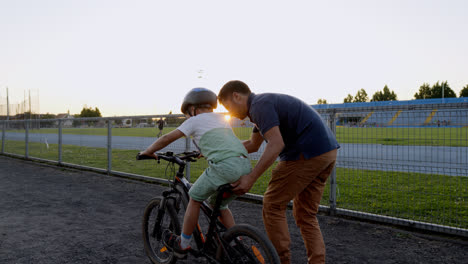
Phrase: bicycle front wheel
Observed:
(153, 229)
(246, 244)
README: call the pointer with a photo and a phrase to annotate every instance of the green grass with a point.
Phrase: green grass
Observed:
(431, 198)
(125, 132)
(437, 199)
(436, 136)
(439, 136)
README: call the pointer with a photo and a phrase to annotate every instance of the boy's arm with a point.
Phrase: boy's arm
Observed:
(162, 142)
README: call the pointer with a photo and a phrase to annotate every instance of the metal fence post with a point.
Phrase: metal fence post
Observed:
(109, 146)
(333, 185)
(187, 167)
(60, 124)
(26, 135)
(3, 136)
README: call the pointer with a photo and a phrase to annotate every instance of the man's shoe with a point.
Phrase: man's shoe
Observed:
(172, 242)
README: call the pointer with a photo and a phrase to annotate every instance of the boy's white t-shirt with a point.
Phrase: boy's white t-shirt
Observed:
(214, 136)
(198, 125)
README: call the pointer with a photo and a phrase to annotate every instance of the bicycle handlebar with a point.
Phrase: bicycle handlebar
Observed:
(169, 156)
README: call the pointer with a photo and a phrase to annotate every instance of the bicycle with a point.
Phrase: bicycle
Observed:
(241, 243)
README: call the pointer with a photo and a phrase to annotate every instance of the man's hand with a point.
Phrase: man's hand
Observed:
(243, 185)
(274, 146)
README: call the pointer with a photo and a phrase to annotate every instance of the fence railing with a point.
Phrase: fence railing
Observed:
(396, 165)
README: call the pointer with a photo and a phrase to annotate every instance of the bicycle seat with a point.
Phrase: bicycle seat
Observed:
(225, 190)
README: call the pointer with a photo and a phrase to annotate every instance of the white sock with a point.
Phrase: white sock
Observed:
(185, 241)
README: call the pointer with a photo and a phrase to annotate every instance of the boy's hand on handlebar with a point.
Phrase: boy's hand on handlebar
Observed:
(149, 154)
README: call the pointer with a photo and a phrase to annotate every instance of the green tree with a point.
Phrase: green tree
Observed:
(76, 123)
(425, 92)
(90, 112)
(384, 95)
(361, 96)
(47, 123)
(464, 91)
(322, 101)
(48, 116)
(118, 122)
(348, 99)
(174, 121)
(436, 90)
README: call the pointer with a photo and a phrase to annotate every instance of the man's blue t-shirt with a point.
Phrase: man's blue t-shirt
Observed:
(301, 127)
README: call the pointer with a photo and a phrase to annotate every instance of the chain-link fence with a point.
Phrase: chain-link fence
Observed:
(400, 163)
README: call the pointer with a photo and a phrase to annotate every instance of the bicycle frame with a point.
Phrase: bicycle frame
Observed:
(215, 226)
(215, 245)
(180, 186)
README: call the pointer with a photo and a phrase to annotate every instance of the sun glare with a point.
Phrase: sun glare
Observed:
(227, 117)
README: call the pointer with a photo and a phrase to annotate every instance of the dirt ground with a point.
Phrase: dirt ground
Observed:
(54, 215)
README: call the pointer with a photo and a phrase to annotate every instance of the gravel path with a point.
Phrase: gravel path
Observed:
(54, 215)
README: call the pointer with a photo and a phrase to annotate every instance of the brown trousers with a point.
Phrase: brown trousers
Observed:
(302, 181)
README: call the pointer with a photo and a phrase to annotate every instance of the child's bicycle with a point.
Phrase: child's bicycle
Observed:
(239, 244)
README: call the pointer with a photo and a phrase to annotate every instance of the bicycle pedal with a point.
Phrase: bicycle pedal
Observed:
(180, 256)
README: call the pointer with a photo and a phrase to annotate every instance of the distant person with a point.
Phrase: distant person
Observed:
(160, 123)
(307, 149)
(227, 159)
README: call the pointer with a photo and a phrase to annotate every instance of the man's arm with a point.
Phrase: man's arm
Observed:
(254, 143)
(273, 148)
(162, 142)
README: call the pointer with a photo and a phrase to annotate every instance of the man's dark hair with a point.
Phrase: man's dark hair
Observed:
(231, 87)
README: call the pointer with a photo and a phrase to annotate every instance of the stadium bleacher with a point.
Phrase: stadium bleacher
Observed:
(401, 114)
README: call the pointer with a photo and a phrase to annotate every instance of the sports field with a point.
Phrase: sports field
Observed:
(436, 199)
(424, 136)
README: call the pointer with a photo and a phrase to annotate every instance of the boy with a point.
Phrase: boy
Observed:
(225, 153)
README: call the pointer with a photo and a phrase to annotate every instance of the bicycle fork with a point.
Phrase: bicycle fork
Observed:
(161, 210)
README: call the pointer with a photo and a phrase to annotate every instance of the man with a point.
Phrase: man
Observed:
(307, 148)
(160, 123)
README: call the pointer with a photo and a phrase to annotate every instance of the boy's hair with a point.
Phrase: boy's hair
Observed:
(233, 87)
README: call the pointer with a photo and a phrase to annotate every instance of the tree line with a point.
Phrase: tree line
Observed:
(425, 91)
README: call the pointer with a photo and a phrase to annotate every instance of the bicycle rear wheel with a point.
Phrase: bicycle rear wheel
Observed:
(246, 244)
(152, 233)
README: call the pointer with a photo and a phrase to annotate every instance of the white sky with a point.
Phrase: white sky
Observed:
(141, 57)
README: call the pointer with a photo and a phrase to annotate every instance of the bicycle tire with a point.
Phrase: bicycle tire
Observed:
(158, 253)
(246, 244)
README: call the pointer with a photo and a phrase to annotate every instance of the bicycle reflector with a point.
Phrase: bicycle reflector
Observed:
(258, 254)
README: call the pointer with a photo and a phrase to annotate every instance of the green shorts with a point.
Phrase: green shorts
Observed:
(217, 174)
